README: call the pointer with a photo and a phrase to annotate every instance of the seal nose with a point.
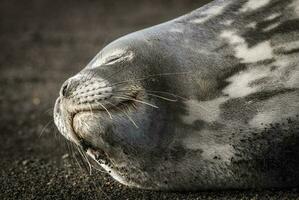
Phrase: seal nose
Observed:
(65, 89)
(69, 86)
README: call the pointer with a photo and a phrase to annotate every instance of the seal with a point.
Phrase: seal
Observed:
(209, 100)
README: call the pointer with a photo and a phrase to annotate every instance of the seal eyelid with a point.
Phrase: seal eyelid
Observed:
(119, 58)
(113, 59)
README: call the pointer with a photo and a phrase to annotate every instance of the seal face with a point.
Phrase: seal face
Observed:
(209, 100)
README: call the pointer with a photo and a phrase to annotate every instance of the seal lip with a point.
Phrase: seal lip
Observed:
(97, 154)
(121, 107)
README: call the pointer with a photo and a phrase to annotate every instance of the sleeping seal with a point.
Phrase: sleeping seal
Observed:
(209, 100)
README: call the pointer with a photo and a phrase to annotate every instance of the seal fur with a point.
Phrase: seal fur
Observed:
(209, 100)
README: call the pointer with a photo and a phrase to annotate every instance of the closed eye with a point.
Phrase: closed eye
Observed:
(113, 60)
(118, 56)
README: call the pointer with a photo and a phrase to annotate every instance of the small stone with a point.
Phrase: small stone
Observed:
(25, 162)
(65, 156)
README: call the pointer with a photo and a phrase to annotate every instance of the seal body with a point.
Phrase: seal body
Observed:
(209, 100)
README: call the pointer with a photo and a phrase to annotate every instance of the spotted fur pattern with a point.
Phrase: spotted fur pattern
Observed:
(238, 124)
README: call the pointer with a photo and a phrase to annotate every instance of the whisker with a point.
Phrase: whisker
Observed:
(124, 113)
(80, 123)
(84, 156)
(48, 111)
(139, 101)
(86, 125)
(131, 146)
(45, 127)
(74, 155)
(183, 98)
(105, 109)
(169, 93)
(161, 97)
(104, 79)
(148, 93)
(157, 91)
(90, 108)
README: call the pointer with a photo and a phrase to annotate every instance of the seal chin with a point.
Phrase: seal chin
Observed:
(90, 124)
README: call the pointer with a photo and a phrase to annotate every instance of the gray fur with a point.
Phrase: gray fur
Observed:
(232, 68)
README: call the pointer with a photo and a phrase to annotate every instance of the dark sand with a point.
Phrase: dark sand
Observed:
(42, 43)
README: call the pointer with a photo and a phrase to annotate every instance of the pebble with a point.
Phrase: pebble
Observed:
(65, 156)
(25, 162)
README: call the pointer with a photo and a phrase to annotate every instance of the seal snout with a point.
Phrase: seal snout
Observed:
(83, 92)
(80, 94)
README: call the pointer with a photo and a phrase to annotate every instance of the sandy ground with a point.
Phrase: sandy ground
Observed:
(42, 43)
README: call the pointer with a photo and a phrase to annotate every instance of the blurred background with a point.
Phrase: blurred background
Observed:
(42, 43)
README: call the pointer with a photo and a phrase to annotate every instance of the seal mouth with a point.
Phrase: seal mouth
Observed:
(97, 154)
(128, 104)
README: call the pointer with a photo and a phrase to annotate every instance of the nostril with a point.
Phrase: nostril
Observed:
(64, 89)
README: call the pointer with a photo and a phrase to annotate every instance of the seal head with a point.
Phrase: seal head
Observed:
(111, 111)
